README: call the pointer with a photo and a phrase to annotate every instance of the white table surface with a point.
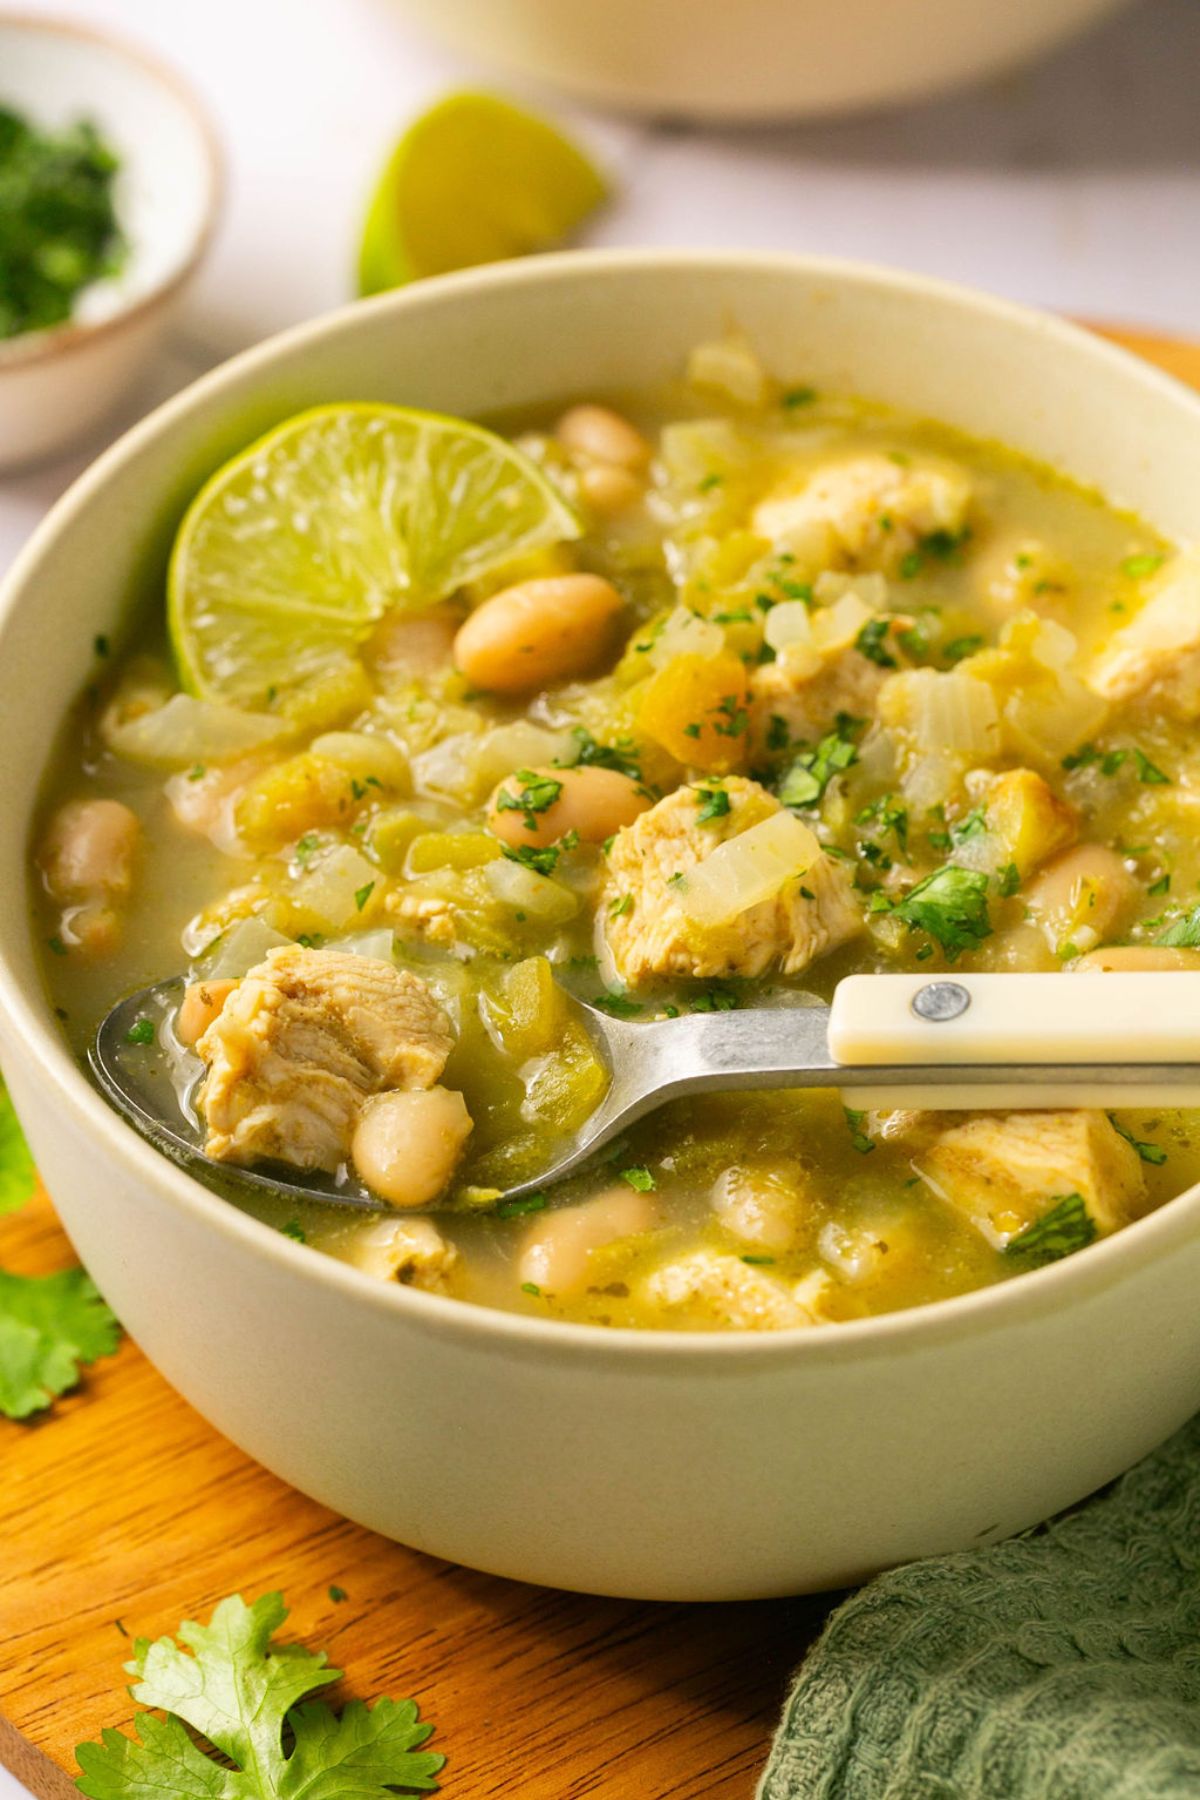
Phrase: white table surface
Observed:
(1075, 184)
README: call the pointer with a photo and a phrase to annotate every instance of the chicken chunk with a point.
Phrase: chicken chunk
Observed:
(651, 926)
(410, 1251)
(865, 512)
(708, 1288)
(808, 694)
(306, 1038)
(1005, 1170)
(765, 1207)
(1156, 657)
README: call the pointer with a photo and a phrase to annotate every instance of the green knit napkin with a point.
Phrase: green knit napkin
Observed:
(1061, 1665)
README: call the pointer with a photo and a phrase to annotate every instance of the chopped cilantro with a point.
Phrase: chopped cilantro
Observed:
(804, 783)
(734, 719)
(620, 906)
(101, 644)
(692, 730)
(889, 814)
(1149, 772)
(910, 565)
(639, 1178)
(295, 1230)
(311, 940)
(798, 396)
(1149, 1152)
(306, 848)
(710, 481)
(363, 894)
(59, 230)
(590, 754)
(1138, 567)
(872, 642)
(619, 1005)
(951, 905)
(56, 945)
(713, 804)
(762, 1261)
(1110, 762)
(516, 1209)
(531, 1287)
(541, 860)
(537, 794)
(1182, 933)
(1008, 880)
(338, 1594)
(233, 1690)
(959, 648)
(858, 1137)
(717, 998)
(777, 733)
(141, 1033)
(1067, 1227)
(196, 772)
(1161, 886)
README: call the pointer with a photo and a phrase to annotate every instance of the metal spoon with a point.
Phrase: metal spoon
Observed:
(893, 1040)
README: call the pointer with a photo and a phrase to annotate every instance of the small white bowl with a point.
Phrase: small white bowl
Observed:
(755, 59)
(56, 385)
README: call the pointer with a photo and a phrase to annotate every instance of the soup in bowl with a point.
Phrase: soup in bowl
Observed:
(661, 672)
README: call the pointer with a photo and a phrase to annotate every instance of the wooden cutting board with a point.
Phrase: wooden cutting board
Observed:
(123, 1509)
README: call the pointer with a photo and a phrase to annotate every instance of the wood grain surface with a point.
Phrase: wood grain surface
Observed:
(122, 1508)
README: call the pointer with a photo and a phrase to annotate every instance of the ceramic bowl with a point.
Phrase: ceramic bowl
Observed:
(656, 1465)
(57, 385)
(754, 59)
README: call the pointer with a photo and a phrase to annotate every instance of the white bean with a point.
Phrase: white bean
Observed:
(594, 802)
(538, 632)
(603, 436)
(407, 1145)
(88, 850)
(556, 1254)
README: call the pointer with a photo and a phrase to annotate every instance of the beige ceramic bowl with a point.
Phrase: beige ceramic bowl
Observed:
(755, 59)
(665, 1466)
(57, 385)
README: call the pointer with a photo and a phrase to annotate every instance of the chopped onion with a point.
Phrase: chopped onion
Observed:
(378, 944)
(685, 633)
(836, 627)
(788, 623)
(521, 745)
(748, 868)
(367, 754)
(242, 947)
(1046, 722)
(729, 366)
(536, 895)
(330, 889)
(943, 712)
(445, 770)
(871, 589)
(186, 731)
(691, 453)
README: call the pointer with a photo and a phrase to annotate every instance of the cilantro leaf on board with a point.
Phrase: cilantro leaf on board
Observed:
(237, 1689)
(49, 1325)
(17, 1179)
(1067, 1227)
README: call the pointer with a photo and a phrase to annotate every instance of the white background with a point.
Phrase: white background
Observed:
(1075, 184)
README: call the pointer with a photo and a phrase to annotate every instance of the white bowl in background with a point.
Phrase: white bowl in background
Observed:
(660, 1465)
(57, 384)
(755, 59)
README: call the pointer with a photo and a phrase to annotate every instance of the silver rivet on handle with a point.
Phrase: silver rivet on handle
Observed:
(938, 1001)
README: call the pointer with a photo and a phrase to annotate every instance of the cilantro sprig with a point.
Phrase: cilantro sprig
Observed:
(238, 1691)
(50, 1325)
(1065, 1228)
(811, 771)
(951, 905)
(536, 795)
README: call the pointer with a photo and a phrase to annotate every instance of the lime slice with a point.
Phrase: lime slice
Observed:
(473, 180)
(293, 550)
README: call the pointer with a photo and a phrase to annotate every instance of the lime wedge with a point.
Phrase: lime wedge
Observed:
(473, 180)
(294, 549)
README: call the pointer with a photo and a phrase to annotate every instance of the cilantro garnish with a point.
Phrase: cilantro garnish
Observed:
(142, 1032)
(778, 736)
(537, 794)
(306, 847)
(515, 1209)
(233, 1688)
(713, 803)
(619, 1005)
(1110, 762)
(531, 1287)
(734, 718)
(1067, 1227)
(17, 1178)
(762, 1261)
(1182, 933)
(1161, 886)
(363, 894)
(799, 396)
(810, 773)
(889, 814)
(640, 1179)
(294, 1229)
(541, 859)
(590, 754)
(1138, 567)
(58, 225)
(951, 905)
(971, 825)
(720, 997)
(49, 1325)
(858, 1137)
(910, 565)
(960, 648)
(1149, 1152)
(338, 1594)
(872, 642)
(1008, 881)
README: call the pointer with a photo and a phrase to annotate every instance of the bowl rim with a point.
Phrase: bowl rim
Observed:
(30, 349)
(999, 1307)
